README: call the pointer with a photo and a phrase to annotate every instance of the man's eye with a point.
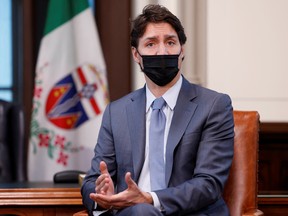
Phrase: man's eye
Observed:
(171, 43)
(149, 44)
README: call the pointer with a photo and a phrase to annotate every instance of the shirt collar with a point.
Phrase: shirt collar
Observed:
(170, 96)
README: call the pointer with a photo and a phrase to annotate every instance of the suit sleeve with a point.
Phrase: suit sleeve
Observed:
(213, 161)
(104, 150)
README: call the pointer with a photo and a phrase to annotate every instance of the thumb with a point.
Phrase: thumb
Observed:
(129, 181)
(103, 167)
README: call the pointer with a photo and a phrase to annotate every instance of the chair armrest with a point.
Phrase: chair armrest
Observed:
(253, 212)
(81, 213)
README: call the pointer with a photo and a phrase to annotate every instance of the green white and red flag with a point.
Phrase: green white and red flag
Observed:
(70, 92)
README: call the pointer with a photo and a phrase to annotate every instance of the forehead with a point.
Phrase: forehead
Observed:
(159, 29)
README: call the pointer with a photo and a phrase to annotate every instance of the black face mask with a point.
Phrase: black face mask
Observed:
(161, 69)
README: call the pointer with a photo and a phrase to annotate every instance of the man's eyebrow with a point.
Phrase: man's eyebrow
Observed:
(171, 36)
(157, 37)
(151, 38)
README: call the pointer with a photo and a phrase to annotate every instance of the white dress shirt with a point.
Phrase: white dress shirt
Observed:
(171, 98)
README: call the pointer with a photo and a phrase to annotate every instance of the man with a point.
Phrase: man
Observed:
(197, 135)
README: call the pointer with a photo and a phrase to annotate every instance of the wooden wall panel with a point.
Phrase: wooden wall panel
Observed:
(273, 157)
(112, 19)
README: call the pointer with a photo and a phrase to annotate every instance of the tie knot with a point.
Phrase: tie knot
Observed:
(158, 103)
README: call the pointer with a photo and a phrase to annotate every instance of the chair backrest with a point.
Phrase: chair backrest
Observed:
(12, 149)
(240, 192)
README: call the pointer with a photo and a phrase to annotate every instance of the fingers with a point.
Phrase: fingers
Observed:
(104, 203)
(102, 182)
(116, 201)
(103, 167)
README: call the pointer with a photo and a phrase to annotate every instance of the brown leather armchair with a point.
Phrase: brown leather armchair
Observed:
(240, 192)
(12, 149)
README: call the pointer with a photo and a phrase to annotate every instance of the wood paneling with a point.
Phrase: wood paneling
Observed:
(274, 205)
(273, 169)
(112, 19)
(273, 160)
(28, 199)
(29, 63)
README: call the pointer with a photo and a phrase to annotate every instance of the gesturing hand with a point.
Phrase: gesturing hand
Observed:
(104, 183)
(131, 196)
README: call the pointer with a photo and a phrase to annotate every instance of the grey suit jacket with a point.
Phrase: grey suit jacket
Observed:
(199, 149)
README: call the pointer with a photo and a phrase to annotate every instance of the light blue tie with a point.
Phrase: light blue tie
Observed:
(156, 145)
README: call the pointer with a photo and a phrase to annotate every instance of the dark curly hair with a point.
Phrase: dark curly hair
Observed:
(154, 13)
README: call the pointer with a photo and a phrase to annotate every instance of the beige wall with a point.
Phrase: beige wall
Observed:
(247, 54)
(239, 47)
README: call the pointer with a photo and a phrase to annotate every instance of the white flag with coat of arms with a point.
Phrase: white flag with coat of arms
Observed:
(70, 92)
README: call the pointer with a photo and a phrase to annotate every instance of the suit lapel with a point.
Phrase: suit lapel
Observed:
(137, 128)
(136, 113)
(183, 113)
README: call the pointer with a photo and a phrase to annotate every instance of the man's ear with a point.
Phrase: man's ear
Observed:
(182, 53)
(135, 55)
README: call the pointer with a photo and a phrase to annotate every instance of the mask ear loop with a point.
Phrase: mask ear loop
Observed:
(138, 52)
